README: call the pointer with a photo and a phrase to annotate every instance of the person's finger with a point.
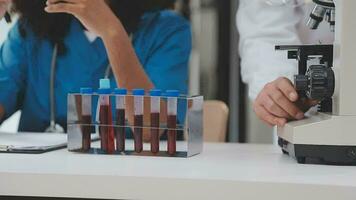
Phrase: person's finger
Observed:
(287, 88)
(306, 104)
(274, 108)
(286, 104)
(268, 118)
(51, 2)
(62, 8)
(310, 102)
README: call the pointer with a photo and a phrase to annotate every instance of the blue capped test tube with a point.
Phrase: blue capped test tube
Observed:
(138, 118)
(120, 118)
(172, 104)
(106, 130)
(155, 119)
(86, 117)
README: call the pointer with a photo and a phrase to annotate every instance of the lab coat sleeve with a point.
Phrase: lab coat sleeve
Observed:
(12, 71)
(261, 27)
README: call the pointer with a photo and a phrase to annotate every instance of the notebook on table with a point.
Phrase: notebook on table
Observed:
(33, 143)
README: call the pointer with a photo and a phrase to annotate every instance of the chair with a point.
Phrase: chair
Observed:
(215, 120)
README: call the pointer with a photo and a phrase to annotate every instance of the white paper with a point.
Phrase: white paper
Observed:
(31, 141)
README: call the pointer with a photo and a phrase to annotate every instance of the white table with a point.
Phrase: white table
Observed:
(223, 171)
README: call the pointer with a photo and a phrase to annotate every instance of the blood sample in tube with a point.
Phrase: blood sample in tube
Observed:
(120, 119)
(155, 119)
(138, 118)
(111, 135)
(172, 101)
(106, 130)
(86, 118)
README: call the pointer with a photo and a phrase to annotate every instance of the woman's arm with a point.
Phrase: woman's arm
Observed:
(124, 60)
(127, 67)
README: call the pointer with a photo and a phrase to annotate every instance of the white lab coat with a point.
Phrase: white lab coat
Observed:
(262, 24)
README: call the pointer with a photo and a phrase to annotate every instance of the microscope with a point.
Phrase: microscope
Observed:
(326, 74)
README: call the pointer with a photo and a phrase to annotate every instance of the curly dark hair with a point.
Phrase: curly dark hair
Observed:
(55, 27)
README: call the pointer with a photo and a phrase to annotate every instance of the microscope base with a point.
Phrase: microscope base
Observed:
(319, 154)
(320, 139)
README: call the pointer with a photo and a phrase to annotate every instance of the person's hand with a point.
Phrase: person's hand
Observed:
(3, 7)
(96, 15)
(278, 103)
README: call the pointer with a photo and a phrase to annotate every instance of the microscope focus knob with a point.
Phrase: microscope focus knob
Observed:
(317, 84)
(301, 82)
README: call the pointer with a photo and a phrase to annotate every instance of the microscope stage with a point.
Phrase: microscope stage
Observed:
(321, 138)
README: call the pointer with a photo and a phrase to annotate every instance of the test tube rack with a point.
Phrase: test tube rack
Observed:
(86, 136)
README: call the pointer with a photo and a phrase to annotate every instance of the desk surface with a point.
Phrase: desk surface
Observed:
(223, 170)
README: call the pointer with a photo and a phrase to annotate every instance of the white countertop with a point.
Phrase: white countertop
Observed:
(223, 170)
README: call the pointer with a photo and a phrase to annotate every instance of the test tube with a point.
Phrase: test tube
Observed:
(172, 101)
(106, 131)
(120, 119)
(138, 118)
(86, 118)
(155, 119)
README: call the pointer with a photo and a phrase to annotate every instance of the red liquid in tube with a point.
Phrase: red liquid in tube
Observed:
(103, 130)
(172, 134)
(138, 133)
(106, 130)
(86, 117)
(154, 133)
(86, 133)
(120, 131)
(111, 135)
(138, 118)
(172, 102)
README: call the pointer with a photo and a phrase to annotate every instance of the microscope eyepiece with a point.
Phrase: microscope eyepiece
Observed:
(324, 9)
(316, 17)
(325, 3)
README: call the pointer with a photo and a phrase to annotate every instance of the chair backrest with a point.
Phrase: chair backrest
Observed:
(216, 114)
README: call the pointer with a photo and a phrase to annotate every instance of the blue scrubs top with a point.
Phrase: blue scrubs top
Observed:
(162, 44)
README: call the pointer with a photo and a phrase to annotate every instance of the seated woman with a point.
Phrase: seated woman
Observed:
(147, 45)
